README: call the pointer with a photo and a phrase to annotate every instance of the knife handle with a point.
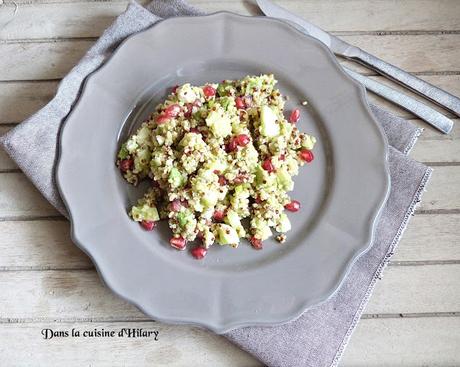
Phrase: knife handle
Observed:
(430, 115)
(410, 81)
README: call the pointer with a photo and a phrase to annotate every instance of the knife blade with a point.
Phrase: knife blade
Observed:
(342, 48)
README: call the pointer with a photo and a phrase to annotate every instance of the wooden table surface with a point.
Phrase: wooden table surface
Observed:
(413, 318)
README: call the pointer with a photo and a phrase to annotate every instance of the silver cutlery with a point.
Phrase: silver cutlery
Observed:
(430, 115)
(342, 48)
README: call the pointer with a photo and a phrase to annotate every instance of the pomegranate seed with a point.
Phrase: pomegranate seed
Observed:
(174, 89)
(194, 130)
(306, 155)
(172, 111)
(268, 166)
(148, 225)
(175, 205)
(293, 206)
(178, 242)
(209, 91)
(200, 235)
(247, 101)
(243, 140)
(282, 157)
(258, 200)
(199, 252)
(256, 243)
(218, 215)
(161, 119)
(240, 103)
(188, 110)
(231, 146)
(295, 116)
(126, 164)
(222, 181)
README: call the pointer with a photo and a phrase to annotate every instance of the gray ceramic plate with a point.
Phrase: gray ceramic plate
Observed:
(342, 191)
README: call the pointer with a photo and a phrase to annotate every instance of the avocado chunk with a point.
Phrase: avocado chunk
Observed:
(268, 124)
(226, 235)
(144, 212)
(209, 199)
(262, 228)
(175, 178)
(284, 179)
(184, 217)
(219, 123)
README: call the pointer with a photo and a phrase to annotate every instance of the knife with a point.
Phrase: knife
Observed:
(430, 115)
(342, 48)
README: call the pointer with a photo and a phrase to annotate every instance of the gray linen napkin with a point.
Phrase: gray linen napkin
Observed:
(319, 336)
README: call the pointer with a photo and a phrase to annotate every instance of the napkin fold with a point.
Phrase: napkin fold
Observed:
(319, 336)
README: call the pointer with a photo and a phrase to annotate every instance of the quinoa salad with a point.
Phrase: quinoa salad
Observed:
(220, 159)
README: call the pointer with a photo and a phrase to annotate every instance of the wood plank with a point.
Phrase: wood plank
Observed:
(6, 163)
(19, 198)
(48, 19)
(176, 346)
(42, 244)
(443, 191)
(413, 53)
(18, 100)
(33, 95)
(433, 237)
(46, 244)
(45, 60)
(417, 289)
(434, 146)
(80, 295)
(66, 20)
(433, 342)
(52, 60)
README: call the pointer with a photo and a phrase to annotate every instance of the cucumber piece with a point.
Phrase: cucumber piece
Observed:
(268, 124)
(284, 224)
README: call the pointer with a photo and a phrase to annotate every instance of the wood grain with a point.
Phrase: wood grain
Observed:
(46, 244)
(432, 237)
(53, 59)
(44, 41)
(18, 100)
(176, 346)
(19, 198)
(430, 342)
(376, 342)
(61, 19)
(45, 60)
(6, 162)
(80, 295)
(443, 191)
